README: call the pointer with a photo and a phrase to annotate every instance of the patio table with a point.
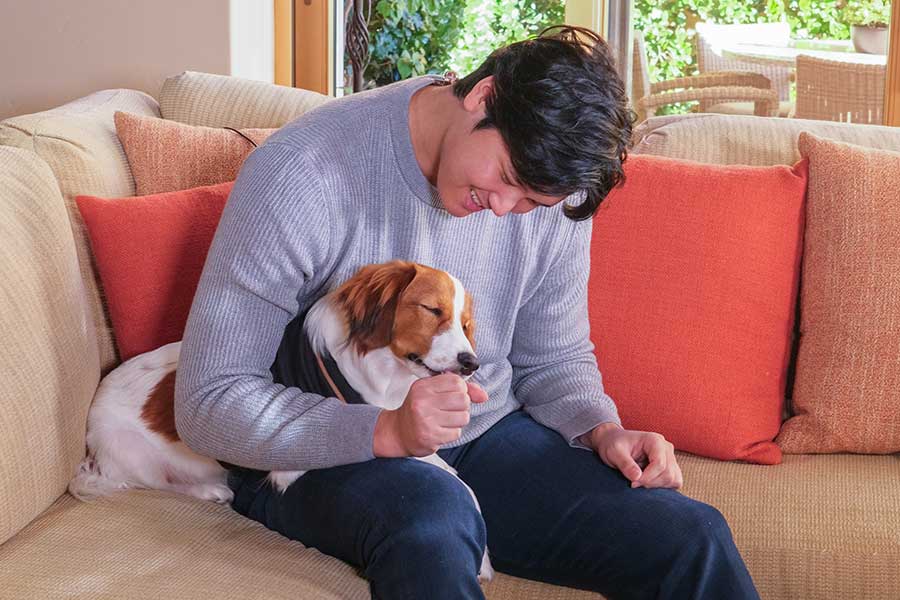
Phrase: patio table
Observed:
(785, 56)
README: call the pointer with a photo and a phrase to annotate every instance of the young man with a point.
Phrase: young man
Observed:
(422, 170)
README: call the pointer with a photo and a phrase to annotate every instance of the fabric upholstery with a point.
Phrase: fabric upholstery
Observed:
(49, 364)
(222, 101)
(78, 140)
(736, 140)
(149, 545)
(166, 156)
(847, 391)
(812, 528)
(693, 283)
(150, 251)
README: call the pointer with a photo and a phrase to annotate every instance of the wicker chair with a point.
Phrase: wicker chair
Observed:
(647, 97)
(711, 35)
(830, 90)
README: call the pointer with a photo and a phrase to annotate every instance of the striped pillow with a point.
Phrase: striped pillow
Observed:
(167, 156)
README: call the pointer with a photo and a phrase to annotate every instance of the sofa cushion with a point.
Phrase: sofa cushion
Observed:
(150, 251)
(693, 283)
(222, 101)
(746, 140)
(146, 545)
(166, 156)
(847, 390)
(814, 527)
(49, 365)
(78, 140)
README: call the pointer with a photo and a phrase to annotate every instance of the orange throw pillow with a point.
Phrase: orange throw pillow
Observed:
(166, 156)
(692, 291)
(847, 389)
(149, 252)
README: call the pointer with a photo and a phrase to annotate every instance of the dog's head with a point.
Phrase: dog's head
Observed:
(423, 314)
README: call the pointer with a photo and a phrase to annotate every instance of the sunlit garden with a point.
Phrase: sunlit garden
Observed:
(415, 37)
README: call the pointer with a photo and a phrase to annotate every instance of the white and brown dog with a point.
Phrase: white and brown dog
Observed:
(387, 326)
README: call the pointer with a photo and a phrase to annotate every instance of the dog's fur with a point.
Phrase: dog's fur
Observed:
(386, 327)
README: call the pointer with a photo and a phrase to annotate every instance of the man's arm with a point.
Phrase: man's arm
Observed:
(271, 252)
(555, 374)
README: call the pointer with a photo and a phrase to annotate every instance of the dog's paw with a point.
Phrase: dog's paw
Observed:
(282, 480)
(211, 492)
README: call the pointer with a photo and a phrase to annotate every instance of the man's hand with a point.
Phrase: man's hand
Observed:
(628, 451)
(434, 412)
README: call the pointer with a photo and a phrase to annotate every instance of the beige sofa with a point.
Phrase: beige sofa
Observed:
(814, 527)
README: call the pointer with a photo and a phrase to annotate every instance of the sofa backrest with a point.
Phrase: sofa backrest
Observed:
(49, 361)
(747, 140)
(221, 101)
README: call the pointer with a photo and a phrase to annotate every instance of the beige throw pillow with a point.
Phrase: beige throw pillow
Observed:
(167, 156)
(847, 389)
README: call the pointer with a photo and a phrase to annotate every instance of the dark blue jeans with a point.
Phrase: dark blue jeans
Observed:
(550, 512)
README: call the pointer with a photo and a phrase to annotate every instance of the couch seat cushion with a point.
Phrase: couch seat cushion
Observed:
(150, 545)
(814, 527)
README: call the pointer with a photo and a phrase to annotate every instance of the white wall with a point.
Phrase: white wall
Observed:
(54, 51)
(253, 39)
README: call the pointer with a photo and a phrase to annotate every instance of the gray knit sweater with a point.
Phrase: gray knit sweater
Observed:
(339, 188)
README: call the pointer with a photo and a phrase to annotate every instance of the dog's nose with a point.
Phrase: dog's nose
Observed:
(468, 362)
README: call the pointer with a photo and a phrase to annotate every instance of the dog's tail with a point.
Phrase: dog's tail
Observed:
(90, 483)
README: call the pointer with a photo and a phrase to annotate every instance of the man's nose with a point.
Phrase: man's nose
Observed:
(501, 204)
(468, 362)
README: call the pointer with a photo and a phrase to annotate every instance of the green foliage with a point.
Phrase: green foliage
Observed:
(491, 24)
(415, 37)
(865, 12)
(411, 37)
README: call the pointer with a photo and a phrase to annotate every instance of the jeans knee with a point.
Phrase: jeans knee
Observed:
(439, 516)
(708, 523)
(692, 526)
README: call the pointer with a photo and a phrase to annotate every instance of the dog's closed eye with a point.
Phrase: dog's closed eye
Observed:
(435, 311)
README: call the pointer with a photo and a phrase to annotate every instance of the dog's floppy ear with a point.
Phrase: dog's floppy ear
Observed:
(369, 300)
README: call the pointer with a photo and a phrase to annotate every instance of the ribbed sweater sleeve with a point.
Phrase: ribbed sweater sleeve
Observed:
(271, 249)
(555, 374)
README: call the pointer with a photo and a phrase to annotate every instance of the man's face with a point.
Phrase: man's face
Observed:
(475, 172)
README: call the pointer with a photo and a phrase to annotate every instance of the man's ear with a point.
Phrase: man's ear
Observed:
(476, 99)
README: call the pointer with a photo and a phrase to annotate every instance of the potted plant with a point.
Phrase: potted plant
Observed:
(868, 21)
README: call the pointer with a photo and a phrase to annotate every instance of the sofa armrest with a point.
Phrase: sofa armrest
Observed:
(49, 359)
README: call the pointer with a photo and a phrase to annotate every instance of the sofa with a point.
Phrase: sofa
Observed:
(814, 526)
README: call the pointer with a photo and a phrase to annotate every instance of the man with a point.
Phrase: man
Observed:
(421, 170)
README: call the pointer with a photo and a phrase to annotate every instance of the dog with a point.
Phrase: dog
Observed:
(384, 328)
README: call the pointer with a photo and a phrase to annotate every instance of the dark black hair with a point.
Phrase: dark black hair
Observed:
(562, 111)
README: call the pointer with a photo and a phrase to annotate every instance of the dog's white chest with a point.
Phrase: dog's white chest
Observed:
(377, 376)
